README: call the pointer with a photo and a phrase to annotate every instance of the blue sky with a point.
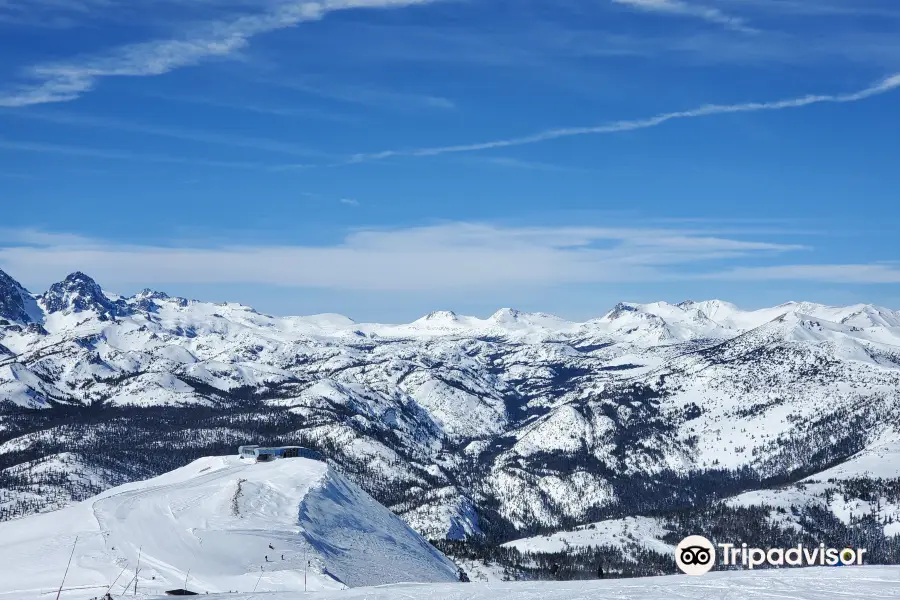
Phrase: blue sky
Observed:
(385, 158)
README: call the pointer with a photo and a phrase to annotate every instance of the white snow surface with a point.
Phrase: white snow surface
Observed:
(213, 522)
(625, 534)
(818, 583)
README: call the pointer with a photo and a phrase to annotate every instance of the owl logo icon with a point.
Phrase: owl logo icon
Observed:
(695, 555)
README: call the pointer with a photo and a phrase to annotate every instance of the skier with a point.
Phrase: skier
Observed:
(271, 547)
(282, 557)
(267, 558)
(600, 571)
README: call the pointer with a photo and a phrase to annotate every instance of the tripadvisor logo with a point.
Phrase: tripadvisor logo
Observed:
(696, 555)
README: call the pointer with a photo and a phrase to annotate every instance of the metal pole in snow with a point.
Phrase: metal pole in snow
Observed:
(116, 579)
(127, 585)
(186, 578)
(59, 591)
(305, 568)
(260, 577)
(137, 569)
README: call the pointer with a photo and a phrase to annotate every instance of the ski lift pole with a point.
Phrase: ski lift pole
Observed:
(260, 577)
(186, 579)
(115, 580)
(137, 569)
(59, 591)
(127, 585)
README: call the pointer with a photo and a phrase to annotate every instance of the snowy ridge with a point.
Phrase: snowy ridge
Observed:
(229, 522)
(535, 417)
(16, 303)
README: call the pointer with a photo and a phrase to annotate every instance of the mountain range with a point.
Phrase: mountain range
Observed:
(516, 425)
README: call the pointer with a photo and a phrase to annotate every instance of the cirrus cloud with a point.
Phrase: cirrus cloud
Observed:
(680, 8)
(67, 80)
(450, 256)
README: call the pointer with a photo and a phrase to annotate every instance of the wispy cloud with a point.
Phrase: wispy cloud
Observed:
(827, 273)
(48, 13)
(180, 133)
(30, 236)
(827, 8)
(679, 7)
(440, 257)
(349, 201)
(528, 165)
(67, 80)
(293, 112)
(88, 152)
(371, 97)
(887, 85)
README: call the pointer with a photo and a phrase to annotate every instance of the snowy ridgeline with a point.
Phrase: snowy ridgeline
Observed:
(511, 425)
(857, 583)
(220, 524)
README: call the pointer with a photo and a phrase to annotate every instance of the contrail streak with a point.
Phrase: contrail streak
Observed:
(889, 84)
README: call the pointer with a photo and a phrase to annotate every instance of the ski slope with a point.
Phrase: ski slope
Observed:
(820, 583)
(220, 524)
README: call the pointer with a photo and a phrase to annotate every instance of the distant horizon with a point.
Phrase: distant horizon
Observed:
(483, 316)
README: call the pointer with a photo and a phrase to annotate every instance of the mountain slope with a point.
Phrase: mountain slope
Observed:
(229, 522)
(16, 303)
(507, 426)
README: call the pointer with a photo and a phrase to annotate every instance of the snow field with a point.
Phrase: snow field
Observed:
(223, 524)
(862, 583)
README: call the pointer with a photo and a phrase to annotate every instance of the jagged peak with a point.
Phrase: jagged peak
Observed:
(151, 294)
(78, 292)
(505, 314)
(621, 308)
(6, 277)
(441, 315)
(16, 303)
(80, 276)
(714, 302)
(146, 299)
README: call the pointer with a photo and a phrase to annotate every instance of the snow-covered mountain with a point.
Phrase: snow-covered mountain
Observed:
(509, 425)
(221, 524)
(865, 487)
(16, 304)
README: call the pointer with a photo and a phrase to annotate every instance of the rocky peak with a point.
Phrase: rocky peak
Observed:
(16, 303)
(78, 293)
(620, 309)
(441, 315)
(145, 300)
(506, 314)
(152, 294)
